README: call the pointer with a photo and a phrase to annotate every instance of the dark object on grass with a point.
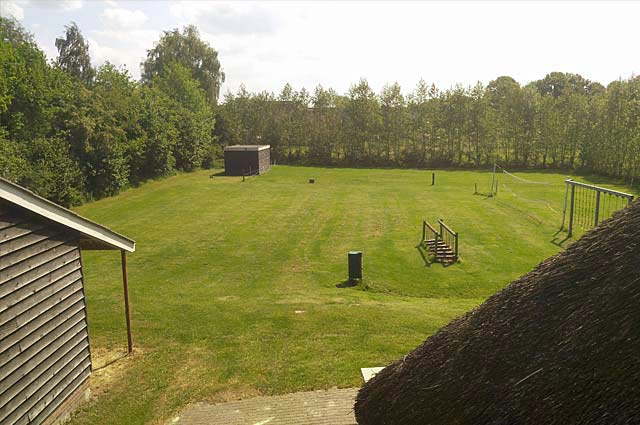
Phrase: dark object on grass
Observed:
(247, 160)
(312, 180)
(560, 345)
(433, 179)
(355, 265)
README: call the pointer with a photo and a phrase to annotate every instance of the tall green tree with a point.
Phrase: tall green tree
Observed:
(363, 115)
(152, 153)
(424, 112)
(73, 54)
(325, 126)
(13, 164)
(394, 122)
(190, 51)
(504, 99)
(55, 174)
(193, 116)
(477, 124)
(228, 127)
(13, 32)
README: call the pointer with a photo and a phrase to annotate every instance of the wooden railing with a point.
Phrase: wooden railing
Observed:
(429, 232)
(442, 243)
(450, 238)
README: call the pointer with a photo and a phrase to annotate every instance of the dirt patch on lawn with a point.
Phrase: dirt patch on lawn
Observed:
(197, 366)
(110, 366)
(237, 393)
(228, 298)
(197, 376)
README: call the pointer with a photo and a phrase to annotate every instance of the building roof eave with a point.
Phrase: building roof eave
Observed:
(96, 235)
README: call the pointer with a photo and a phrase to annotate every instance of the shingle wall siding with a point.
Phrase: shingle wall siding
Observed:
(44, 342)
(264, 160)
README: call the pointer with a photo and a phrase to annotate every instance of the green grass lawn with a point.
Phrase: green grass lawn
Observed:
(233, 285)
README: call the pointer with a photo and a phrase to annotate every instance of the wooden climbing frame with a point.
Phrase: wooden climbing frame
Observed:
(441, 242)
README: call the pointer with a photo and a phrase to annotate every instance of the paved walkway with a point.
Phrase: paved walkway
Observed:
(330, 407)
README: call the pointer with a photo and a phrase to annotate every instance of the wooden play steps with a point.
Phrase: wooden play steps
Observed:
(443, 244)
(441, 250)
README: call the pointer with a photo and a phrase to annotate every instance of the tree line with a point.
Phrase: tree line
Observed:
(561, 121)
(71, 132)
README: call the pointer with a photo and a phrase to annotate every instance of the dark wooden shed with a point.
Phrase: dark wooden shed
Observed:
(247, 159)
(45, 357)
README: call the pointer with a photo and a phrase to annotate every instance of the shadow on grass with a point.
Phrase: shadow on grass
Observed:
(426, 257)
(219, 174)
(358, 284)
(605, 181)
(523, 212)
(109, 363)
(349, 283)
(556, 238)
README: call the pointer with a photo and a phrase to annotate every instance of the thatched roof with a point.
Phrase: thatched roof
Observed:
(560, 345)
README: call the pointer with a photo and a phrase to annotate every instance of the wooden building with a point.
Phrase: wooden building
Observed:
(247, 159)
(45, 357)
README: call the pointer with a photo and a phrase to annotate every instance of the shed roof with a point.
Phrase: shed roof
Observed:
(96, 235)
(247, 148)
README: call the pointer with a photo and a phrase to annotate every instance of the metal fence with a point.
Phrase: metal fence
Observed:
(589, 204)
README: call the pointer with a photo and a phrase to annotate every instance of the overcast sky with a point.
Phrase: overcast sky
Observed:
(265, 45)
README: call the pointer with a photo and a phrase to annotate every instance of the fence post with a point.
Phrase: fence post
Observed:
(493, 177)
(597, 207)
(564, 208)
(441, 228)
(573, 195)
(433, 179)
(456, 246)
(127, 312)
(424, 231)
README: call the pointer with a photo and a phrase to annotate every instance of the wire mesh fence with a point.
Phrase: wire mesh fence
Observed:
(589, 204)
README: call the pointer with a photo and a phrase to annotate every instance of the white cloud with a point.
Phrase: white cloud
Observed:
(337, 43)
(65, 5)
(71, 4)
(101, 53)
(122, 47)
(124, 18)
(226, 17)
(265, 45)
(11, 8)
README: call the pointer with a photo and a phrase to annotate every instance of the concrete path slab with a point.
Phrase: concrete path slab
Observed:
(330, 407)
(369, 372)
